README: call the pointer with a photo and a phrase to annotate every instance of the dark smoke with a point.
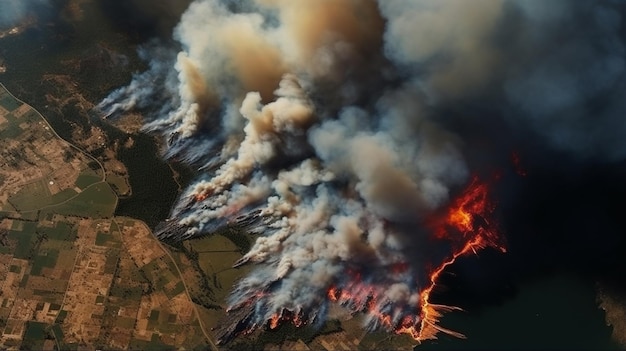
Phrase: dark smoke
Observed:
(336, 127)
(143, 20)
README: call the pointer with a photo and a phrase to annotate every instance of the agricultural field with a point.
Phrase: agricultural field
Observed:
(206, 265)
(73, 276)
(70, 282)
(41, 173)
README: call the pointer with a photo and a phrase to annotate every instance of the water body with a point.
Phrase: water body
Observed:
(556, 312)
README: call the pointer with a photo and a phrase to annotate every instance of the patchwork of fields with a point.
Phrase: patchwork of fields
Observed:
(73, 276)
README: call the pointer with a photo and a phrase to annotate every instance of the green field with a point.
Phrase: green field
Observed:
(24, 235)
(214, 243)
(215, 256)
(119, 184)
(61, 231)
(10, 131)
(35, 335)
(85, 179)
(32, 196)
(97, 201)
(36, 195)
(160, 272)
(178, 288)
(8, 102)
(63, 196)
(44, 258)
(106, 239)
(102, 238)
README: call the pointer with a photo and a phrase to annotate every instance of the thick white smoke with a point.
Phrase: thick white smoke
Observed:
(321, 118)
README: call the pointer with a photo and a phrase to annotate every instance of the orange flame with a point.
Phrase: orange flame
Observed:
(274, 320)
(468, 215)
(464, 211)
(333, 294)
(201, 196)
(284, 316)
(465, 223)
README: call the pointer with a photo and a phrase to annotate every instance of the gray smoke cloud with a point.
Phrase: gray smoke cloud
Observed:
(13, 11)
(557, 66)
(321, 123)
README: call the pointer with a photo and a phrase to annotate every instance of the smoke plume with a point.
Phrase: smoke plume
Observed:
(335, 128)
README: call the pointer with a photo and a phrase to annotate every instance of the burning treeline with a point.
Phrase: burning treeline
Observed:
(318, 124)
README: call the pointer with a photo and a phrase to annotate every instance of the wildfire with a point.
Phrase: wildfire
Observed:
(201, 196)
(363, 297)
(468, 215)
(203, 192)
(273, 322)
(284, 316)
(465, 224)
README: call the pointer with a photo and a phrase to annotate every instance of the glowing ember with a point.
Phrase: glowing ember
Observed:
(468, 214)
(273, 322)
(285, 316)
(466, 225)
(402, 308)
(201, 196)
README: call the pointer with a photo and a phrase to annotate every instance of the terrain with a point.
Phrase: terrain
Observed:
(79, 197)
(75, 276)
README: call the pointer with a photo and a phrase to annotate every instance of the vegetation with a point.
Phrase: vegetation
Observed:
(97, 201)
(8, 102)
(35, 335)
(84, 180)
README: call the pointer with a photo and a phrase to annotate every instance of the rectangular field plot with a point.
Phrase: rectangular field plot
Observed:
(23, 233)
(8, 102)
(97, 201)
(32, 196)
(85, 180)
(60, 231)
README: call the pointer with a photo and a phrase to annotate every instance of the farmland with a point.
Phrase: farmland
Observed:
(73, 276)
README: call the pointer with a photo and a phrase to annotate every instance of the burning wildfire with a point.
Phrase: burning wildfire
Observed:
(317, 127)
(467, 224)
(468, 216)
(323, 129)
